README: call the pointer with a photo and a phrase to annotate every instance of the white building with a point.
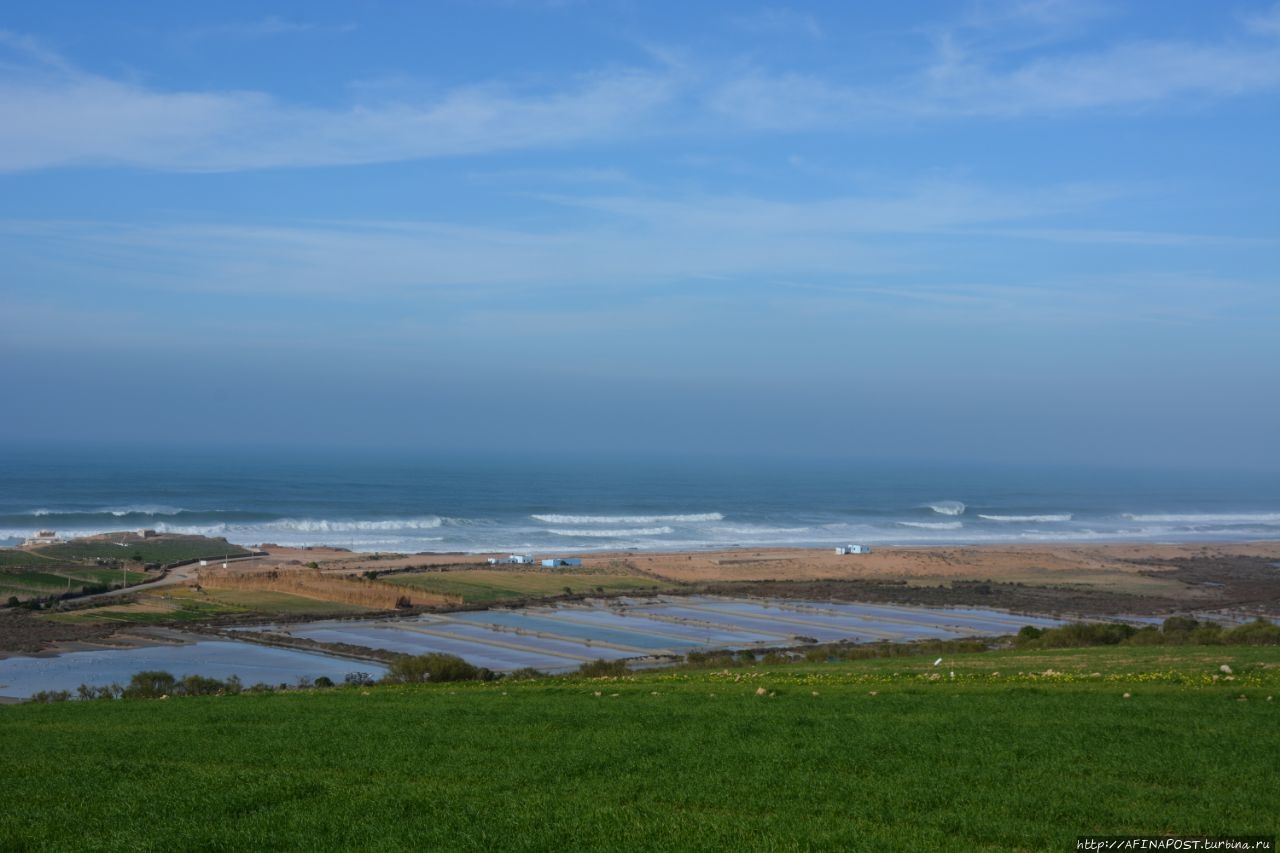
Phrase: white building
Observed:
(42, 537)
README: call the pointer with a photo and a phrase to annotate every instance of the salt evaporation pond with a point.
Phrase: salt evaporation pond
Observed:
(21, 677)
(559, 639)
(552, 639)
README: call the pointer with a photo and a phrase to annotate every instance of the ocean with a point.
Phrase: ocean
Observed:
(542, 504)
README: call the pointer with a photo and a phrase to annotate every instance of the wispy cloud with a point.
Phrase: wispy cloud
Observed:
(1266, 23)
(984, 68)
(641, 242)
(779, 21)
(268, 27)
(52, 114)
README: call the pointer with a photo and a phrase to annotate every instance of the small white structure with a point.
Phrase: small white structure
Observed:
(854, 549)
(558, 562)
(521, 559)
(42, 537)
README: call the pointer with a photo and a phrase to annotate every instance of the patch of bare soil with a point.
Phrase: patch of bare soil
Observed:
(22, 632)
(1214, 581)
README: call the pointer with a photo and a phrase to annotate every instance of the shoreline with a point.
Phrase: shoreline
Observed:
(1136, 578)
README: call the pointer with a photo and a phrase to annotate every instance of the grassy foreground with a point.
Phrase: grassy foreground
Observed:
(1019, 750)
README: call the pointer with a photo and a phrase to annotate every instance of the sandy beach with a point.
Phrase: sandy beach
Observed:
(1066, 563)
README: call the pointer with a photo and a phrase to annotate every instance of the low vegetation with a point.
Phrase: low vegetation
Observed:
(890, 753)
(161, 550)
(312, 584)
(1174, 631)
(480, 586)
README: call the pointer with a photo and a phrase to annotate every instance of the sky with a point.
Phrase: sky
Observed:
(1024, 231)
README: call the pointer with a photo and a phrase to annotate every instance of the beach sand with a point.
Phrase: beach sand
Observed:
(1048, 563)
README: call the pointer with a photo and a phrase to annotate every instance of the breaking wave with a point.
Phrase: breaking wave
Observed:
(430, 522)
(947, 507)
(629, 519)
(1060, 516)
(758, 531)
(933, 525)
(1209, 518)
(145, 510)
(596, 533)
(312, 525)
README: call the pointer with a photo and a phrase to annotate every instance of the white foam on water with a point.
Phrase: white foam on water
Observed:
(947, 507)
(933, 525)
(684, 518)
(621, 533)
(759, 531)
(1050, 517)
(1206, 518)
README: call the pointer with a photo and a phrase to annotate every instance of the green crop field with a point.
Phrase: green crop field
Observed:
(481, 585)
(149, 550)
(1018, 751)
(14, 558)
(54, 581)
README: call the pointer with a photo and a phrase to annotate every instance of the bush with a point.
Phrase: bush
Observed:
(1028, 633)
(526, 673)
(46, 696)
(150, 684)
(198, 685)
(85, 691)
(1079, 634)
(323, 681)
(1179, 626)
(716, 658)
(1259, 632)
(358, 679)
(432, 667)
(601, 668)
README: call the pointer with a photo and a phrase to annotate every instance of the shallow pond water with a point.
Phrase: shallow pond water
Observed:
(20, 677)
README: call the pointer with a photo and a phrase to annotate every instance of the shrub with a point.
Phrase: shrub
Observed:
(85, 691)
(358, 679)
(198, 685)
(13, 601)
(1179, 626)
(432, 667)
(1086, 634)
(716, 658)
(150, 684)
(323, 681)
(1150, 635)
(1208, 634)
(45, 696)
(1259, 632)
(601, 668)
(1027, 634)
(526, 673)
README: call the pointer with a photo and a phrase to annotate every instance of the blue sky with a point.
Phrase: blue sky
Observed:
(1022, 231)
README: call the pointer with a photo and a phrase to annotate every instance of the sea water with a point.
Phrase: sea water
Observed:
(414, 502)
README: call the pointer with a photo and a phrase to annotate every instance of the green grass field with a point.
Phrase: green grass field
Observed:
(25, 584)
(1020, 751)
(482, 585)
